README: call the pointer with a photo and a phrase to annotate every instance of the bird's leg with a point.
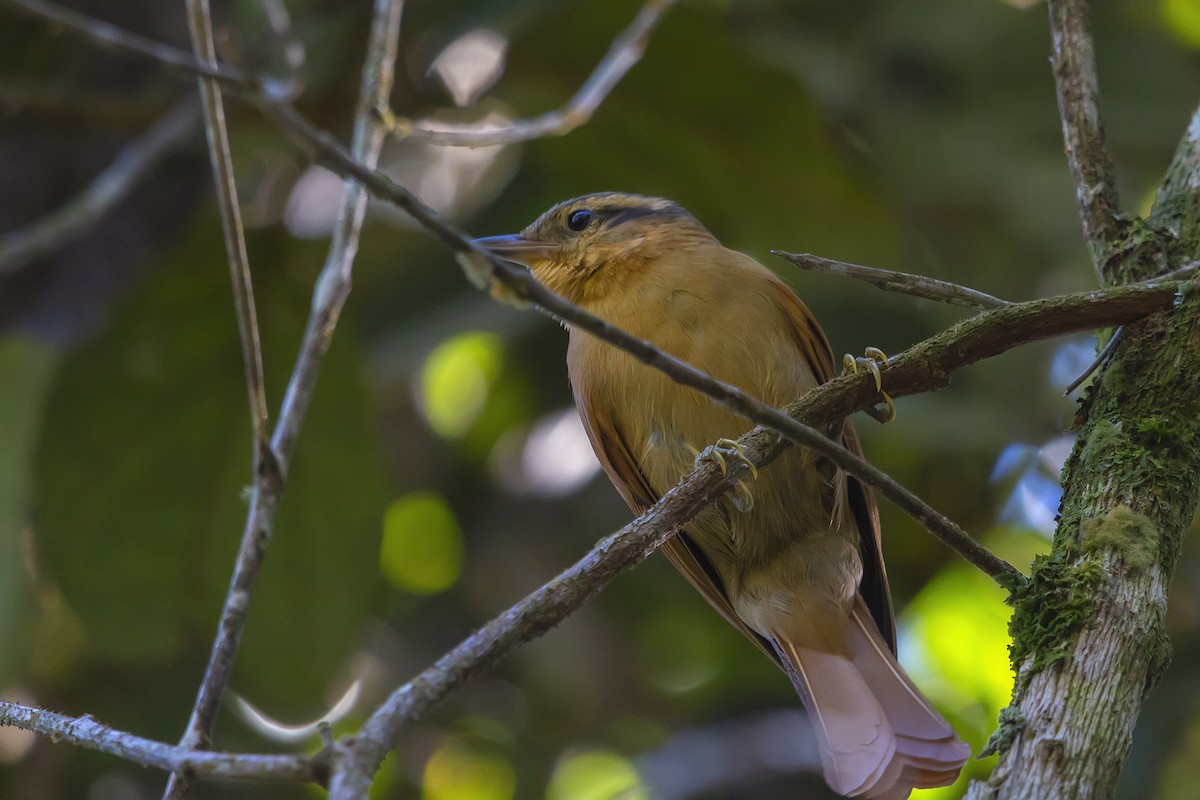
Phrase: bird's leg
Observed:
(870, 360)
(742, 499)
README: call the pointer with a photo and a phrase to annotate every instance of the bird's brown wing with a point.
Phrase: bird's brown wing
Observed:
(814, 348)
(625, 473)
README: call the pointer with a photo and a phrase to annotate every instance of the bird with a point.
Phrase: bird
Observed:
(793, 558)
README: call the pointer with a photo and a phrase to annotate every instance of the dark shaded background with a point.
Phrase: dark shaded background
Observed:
(437, 479)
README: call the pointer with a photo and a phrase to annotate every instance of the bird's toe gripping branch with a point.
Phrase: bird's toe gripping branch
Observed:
(870, 360)
(742, 499)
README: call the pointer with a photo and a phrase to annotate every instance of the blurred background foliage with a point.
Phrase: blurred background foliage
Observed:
(441, 474)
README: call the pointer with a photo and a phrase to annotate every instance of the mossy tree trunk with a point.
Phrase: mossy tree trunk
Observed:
(1088, 633)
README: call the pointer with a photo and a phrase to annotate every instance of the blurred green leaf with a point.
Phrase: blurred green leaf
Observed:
(141, 473)
(595, 775)
(679, 648)
(1182, 18)
(469, 391)
(456, 379)
(422, 550)
(457, 771)
(961, 624)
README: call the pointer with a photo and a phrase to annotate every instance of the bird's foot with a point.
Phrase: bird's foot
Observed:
(724, 449)
(869, 362)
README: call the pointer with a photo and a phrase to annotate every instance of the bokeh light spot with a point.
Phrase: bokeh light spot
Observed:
(422, 549)
(456, 771)
(470, 64)
(959, 622)
(555, 458)
(1182, 18)
(679, 649)
(456, 379)
(595, 775)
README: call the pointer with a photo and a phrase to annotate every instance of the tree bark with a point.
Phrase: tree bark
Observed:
(1088, 633)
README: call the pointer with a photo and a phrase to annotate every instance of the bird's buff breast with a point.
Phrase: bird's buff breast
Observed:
(786, 536)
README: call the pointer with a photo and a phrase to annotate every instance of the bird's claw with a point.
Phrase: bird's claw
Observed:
(741, 497)
(869, 361)
(726, 448)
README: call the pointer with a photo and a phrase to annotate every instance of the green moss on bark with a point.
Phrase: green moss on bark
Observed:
(1051, 610)
(1008, 727)
(1132, 536)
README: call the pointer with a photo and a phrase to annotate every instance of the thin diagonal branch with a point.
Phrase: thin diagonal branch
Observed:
(200, 24)
(86, 732)
(902, 282)
(75, 218)
(1091, 165)
(330, 294)
(118, 40)
(928, 365)
(333, 284)
(268, 478)
(626, 50)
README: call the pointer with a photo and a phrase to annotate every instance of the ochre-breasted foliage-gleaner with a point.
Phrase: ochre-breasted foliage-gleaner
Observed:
(792, 559)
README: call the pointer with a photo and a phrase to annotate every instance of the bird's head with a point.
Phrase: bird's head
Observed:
(584, 248)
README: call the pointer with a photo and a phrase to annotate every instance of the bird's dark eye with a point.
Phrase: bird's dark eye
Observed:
(578, 220)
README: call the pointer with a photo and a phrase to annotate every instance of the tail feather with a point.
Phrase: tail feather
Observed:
(878, 736)
(930, 755)
(853, 736)
(905, 703)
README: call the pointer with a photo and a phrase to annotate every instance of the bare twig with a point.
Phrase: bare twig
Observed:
(200, 23)
(626, 50)
(1186, 272)
(118, 40)
(1183, 273)
(133, 162)
(1083, 130)
(1103, 356)
(902, 282)
(531, 617)
(86, 732)
(926, 366)
(333, 286)
(268, 477)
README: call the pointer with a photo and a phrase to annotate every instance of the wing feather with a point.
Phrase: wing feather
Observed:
(623, 470)
(814, 348)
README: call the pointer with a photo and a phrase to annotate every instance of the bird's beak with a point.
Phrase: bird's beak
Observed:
(515, 247)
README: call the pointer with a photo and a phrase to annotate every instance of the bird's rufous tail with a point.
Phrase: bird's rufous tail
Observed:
(879, 737)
